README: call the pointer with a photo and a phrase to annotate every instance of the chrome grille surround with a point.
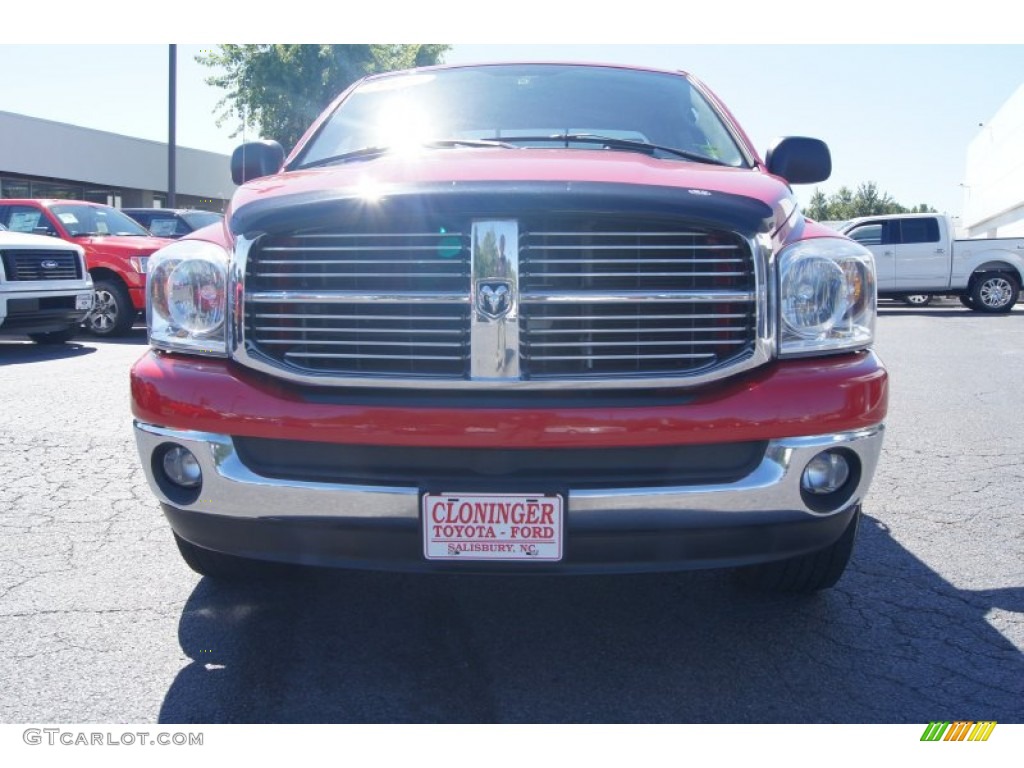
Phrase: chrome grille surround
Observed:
(637, 314)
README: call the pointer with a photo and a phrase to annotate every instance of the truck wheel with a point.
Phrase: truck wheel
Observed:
(112, 311)
(53, 337)
(917, 300)
(215, 565)
(994, 292)
(966, 300)
(805, 573)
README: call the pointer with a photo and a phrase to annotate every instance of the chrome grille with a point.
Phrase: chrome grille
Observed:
(27, 265)
(611, 298)
(618, 338)
(361, 303)
(643, 258)
(603, 300)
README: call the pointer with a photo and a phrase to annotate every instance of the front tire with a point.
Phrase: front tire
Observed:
(112, 311)
(917, 300)
(994, 292)
(804, 574)
(53, 337)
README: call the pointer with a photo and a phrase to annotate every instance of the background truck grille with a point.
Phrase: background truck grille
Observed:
(27, 265)
(599, 297)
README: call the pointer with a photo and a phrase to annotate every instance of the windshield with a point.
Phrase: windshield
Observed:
(94, 220)
(542, 105)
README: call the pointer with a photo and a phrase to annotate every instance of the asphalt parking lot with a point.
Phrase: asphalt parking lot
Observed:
(102, 622)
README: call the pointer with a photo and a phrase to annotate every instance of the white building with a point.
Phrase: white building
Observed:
(46, 159)
(994, 181)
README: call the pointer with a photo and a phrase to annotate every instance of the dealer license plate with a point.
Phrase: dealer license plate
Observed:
(493, 526)
(83, 301)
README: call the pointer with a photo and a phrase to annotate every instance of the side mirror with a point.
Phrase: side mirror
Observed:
(800, 160)
(256, 159)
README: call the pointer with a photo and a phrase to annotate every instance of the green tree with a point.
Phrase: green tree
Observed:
(280, 89)
(840, 204)
(817, 209)
(845, 204)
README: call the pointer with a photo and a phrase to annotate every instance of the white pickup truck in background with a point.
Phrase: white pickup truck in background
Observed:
(45, 289)
(916, 258)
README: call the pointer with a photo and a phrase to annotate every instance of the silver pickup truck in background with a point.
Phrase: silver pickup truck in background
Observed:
(916, 258)
(45, 290)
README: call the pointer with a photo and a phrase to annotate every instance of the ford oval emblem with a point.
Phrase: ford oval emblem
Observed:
(49, 264)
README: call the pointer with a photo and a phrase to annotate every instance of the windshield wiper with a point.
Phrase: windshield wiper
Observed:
(355, 154)
(612, 142)
(366, 152)
(441, 143)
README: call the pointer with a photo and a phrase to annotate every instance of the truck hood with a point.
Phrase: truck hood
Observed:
(121, 246)
(34, 242)
(392, 173)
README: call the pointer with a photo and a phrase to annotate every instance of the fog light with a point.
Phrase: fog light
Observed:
(182, 467)
(825, 473)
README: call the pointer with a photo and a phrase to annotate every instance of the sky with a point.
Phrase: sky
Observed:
(896, 114)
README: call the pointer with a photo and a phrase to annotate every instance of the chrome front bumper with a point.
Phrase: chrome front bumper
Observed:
(231, 489)
(758, 518)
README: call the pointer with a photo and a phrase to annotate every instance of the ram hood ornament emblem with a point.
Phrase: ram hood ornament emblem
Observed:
(494, 298)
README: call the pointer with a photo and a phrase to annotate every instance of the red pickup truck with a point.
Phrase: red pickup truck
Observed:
(516, 318)
(116, 251)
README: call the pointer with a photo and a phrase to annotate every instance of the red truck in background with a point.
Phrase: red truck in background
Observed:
(516, 318)
(116, 251)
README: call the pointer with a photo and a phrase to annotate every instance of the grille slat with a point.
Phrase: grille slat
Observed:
(344, 274)
(22, 265)
(599, 298)
(594, 331)
(636, 261)
(673, 356)
(416, 318)
(341, 343)
(623, 273)
(638, 248)
(353, 329)
(352, 261)
(362, 356)
(358, 297)
(659, 343)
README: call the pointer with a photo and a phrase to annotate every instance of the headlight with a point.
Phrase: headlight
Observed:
(187, 291)
(828, 297)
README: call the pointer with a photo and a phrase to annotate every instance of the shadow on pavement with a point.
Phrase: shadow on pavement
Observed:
(136, 335)
(13, 352)
(894, 642)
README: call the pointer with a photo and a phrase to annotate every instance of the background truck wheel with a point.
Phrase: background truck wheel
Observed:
(966, 300)
(112, 311)
(807, 573)
(994, 292)
(216, 565)
(53, 337)
(917, 300)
